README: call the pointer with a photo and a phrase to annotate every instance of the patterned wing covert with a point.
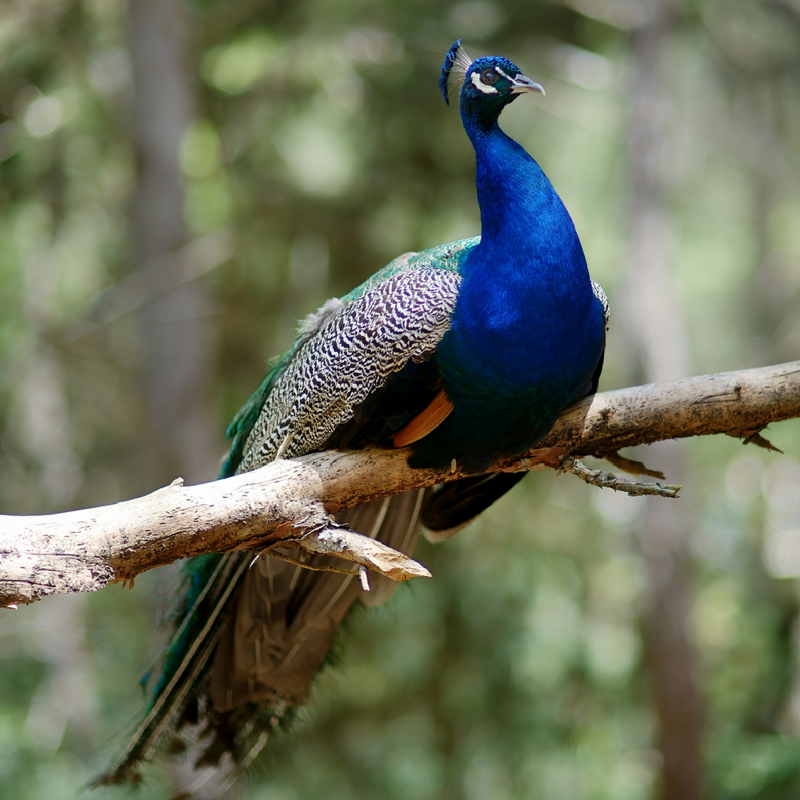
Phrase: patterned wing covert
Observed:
(344, 353)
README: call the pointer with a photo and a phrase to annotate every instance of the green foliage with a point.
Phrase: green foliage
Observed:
(323, 149)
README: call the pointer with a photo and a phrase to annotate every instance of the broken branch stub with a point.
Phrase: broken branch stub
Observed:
(340, 541)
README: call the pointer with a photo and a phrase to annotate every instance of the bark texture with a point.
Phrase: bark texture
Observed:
(82, 551)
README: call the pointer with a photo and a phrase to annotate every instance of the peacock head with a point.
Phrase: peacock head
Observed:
(487, 85)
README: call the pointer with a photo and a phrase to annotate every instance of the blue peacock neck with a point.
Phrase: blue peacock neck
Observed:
(522, 218)
(527, 331)
(527, 281)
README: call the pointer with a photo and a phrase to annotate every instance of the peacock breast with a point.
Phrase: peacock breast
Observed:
(511, 362)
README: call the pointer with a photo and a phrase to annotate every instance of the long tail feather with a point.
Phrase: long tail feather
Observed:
(251, 641)
(171, 694)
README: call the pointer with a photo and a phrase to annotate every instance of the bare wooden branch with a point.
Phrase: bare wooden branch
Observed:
(736, 403)
(608, 480)
(81, 551)
(367, 553)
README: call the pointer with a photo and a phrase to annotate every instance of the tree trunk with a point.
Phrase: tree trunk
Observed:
(178, 338)
(179, 341)
(655, 325)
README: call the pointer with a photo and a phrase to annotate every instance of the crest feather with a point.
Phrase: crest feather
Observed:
(454, 70)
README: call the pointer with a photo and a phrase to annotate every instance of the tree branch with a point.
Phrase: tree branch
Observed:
(288, 504)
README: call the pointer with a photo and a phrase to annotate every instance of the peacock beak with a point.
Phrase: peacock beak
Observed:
(520, 84)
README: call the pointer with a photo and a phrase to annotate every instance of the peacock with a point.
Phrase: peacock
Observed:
(464, 353)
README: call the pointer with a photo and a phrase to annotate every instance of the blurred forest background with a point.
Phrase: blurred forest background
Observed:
(180, 182)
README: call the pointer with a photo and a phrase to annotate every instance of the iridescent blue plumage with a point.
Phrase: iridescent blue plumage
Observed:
(468, 352)
(527, 331)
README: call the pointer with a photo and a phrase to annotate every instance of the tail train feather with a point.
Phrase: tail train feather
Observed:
(251, 640)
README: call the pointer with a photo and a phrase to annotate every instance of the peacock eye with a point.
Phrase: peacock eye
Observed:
(489, 77)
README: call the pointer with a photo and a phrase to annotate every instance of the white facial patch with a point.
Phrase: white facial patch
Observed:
(479, 84)
(504, 74)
